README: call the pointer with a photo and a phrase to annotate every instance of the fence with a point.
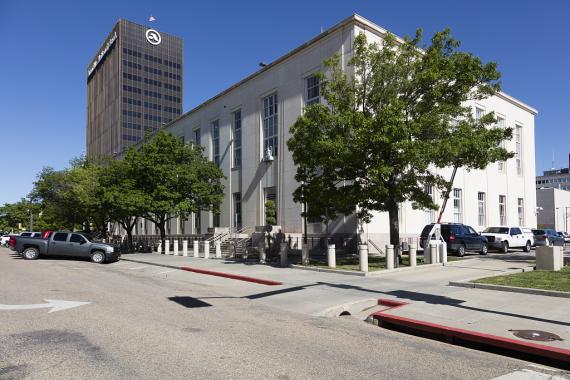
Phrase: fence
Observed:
(149, 243)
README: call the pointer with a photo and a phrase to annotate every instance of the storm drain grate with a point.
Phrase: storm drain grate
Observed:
(542, 336)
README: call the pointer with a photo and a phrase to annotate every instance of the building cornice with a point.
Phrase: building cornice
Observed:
(354, 19)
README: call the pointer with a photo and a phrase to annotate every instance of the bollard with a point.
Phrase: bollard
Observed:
(443, 252)
(262, 254)
(549, 258)
(167, 247)
(218, 249)
(196, 248)
(283, 248)
(176, 247)
(206, 249)
(433, 253)
(159, 247)
(331, 255)
(363, 257)
(413, 259)
(185, 248)
(389, 256)
(305, 254)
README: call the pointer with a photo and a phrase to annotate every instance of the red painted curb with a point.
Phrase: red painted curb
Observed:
(472, 336)
(232, 276)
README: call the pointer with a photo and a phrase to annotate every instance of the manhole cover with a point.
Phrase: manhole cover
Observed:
(543, 336)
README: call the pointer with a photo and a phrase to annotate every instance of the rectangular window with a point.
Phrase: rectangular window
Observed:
(216, 220)
(197, 137)
(457, 206)
(479, 112)
(518, 148)
(216, 143)
(237, 139)
(501, 124)
(270, 128)
(313, 90)
(502, 210)
(197, 226)
(237, 210)
(430, 214)
(482, 209)
(520, 209)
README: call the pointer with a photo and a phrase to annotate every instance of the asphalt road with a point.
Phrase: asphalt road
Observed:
(173, 324)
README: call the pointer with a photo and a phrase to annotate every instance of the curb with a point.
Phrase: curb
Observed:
(472, 336)
(210, 273)
(512, 289)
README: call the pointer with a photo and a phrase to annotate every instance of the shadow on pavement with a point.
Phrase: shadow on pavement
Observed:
(189, 302)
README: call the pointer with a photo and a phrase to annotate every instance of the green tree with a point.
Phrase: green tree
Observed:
(120, 197)
(176, 179)
(270, 212)
(398, 112)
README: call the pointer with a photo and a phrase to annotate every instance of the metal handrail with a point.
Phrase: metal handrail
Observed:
(375, 246)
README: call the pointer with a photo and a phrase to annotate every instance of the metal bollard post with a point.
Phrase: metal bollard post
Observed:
(283, 248)
(389, 256)
(218, 249)
(305, 254)
(206, 249)
(331, 255)
(176, 247)
(363, 257)
(413, 259)
(167, 247)
(196, 251)
(185, 248)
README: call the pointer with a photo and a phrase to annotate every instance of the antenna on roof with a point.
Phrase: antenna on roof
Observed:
(552, 159)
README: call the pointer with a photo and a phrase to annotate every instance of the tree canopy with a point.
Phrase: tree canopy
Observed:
(394, 115)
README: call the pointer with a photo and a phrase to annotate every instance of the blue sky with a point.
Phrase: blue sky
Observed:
(46, 46)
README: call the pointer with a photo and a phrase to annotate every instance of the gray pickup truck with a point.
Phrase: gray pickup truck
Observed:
(66, 244)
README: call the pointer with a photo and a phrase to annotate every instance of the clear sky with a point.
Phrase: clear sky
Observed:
(46, 46)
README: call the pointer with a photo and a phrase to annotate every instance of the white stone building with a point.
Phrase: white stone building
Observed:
(236, 125)
(553, 208)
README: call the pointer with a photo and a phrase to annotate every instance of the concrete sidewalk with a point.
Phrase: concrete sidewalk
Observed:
(426, 291)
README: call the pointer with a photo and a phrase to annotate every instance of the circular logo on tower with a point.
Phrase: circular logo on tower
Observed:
(153, 36)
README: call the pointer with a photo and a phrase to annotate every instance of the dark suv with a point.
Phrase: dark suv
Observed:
(459, 238)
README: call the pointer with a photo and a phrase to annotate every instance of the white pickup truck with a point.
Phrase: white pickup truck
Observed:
(503, 238)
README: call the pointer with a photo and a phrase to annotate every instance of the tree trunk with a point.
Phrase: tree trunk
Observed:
(447, 194)
(162, 228)
(394, 230)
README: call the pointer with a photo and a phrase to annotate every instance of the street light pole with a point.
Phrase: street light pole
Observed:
(31, 220)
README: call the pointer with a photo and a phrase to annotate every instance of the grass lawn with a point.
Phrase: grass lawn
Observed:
(538, 279)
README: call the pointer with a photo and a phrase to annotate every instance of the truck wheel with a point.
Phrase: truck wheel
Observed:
(505, 247)
(31, 253)
(98, 257)
(461, 250)
(527, 246)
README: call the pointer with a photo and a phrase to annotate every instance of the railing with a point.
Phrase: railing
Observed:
(376, 247)
(318, 244)
(149, 243)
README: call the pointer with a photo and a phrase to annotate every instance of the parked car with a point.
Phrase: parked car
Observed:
(547, 237)
(565, 236)
(67, 244)
(503, 238)
(31, 234)
(460, 238)
(4, 240)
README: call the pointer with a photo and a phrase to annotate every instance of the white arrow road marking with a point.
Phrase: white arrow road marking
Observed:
(55, 305)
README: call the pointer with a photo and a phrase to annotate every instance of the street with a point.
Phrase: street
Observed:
(141, 322)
